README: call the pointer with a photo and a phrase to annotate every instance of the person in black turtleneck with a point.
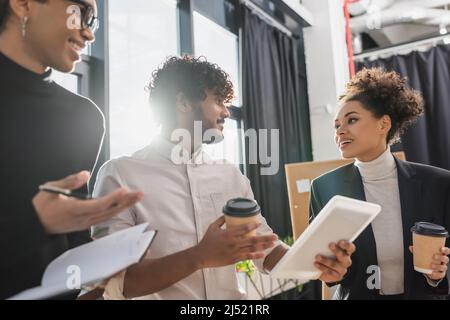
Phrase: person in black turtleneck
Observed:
(46, 133)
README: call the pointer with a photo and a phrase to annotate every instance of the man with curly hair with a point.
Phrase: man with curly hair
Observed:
(193, 256)
(190, 90)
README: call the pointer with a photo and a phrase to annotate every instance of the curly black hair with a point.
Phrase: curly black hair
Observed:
(385, 93)
(190, 76)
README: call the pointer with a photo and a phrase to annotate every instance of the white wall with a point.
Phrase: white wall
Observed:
(327, 71)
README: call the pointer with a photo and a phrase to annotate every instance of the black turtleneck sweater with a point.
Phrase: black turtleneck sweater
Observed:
(46, 133)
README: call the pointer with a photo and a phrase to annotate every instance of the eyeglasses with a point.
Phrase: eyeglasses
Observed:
(88, 16)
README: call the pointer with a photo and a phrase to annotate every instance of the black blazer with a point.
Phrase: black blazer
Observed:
(424, 196)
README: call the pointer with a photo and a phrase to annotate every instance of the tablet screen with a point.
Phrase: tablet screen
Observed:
(341, 219)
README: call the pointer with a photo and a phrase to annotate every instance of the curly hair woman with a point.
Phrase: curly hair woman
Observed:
(376, 107)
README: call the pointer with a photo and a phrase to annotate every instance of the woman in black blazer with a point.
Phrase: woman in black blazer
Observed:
(375, 108)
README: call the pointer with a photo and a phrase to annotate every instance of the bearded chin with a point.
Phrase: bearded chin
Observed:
(213, 136)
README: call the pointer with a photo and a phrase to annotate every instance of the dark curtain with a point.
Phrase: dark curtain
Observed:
(428, 141)
(274, 97)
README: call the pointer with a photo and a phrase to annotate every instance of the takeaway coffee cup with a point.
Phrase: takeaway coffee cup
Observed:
(428, 239)
(241, 211)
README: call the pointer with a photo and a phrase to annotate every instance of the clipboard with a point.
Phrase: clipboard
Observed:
(94, 261)
(342, 218)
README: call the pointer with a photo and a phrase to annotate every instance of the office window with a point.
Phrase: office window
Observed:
(221, 46)
(142, 34)
(66, 80)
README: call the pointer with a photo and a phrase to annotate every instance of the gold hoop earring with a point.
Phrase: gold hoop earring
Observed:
(24, 26)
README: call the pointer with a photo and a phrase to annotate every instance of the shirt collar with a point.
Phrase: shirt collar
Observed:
(179, 154)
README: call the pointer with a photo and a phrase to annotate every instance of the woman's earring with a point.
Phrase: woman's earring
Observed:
(24, 26)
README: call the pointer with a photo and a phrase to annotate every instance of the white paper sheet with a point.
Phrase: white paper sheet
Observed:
(92, 262)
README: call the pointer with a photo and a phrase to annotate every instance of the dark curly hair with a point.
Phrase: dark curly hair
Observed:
(190, 76)
(385, 93)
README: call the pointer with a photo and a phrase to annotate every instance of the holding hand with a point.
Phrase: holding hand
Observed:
(221, 247)
(334, 269)
(439, 265)
(61, 214)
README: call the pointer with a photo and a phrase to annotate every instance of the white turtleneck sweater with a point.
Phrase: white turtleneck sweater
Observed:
(380, 182)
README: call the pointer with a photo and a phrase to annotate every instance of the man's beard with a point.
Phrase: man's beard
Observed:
(212, 136)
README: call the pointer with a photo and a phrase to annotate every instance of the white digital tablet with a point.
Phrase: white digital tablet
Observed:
(342, 218)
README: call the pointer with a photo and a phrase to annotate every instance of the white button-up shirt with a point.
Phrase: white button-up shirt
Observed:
(181, 201)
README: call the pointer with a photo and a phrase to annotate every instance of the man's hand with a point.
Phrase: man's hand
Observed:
(221, 247)
(439, 265)
(334, 270)
(60, 214)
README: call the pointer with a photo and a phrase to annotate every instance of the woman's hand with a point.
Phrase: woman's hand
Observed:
(334, 270)
(439, 265)
(60, 214)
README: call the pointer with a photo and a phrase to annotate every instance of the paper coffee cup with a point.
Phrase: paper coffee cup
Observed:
(241, 211)
(428, 239)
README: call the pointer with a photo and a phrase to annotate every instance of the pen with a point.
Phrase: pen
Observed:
(65, 192)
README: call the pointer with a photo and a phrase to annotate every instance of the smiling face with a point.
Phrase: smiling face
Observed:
(51, 37)
(358, 133)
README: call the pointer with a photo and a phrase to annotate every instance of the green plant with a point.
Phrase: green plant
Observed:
(246, 266)
(289, 240)
(249, 268)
